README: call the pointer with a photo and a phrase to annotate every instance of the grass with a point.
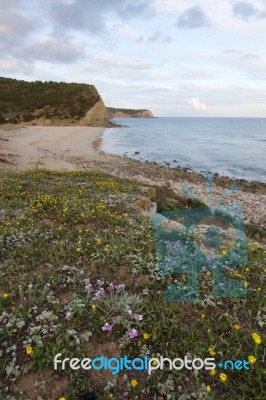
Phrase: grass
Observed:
(79, 276)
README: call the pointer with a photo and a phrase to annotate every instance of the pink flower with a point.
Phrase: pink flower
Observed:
(107, 327)
(133, 333)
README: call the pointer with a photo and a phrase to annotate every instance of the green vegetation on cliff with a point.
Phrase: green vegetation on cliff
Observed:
(22, 101)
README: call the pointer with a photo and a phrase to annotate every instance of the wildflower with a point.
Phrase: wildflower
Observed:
(87, 284)
(78, 249)
(251, 359)
(236, 326)
(29, 350)
(62, 398)
(98, 294)
(133, 333)
(212, 352)
(224, 252)
(111, 395)
(212, 372)
(223, 377)
(208, 388)
(138, 317)
(93, 307)
(146, 336)
(154, 363)
(256, 337)
(107, 327)
(5, 295)
(133, 383)
(203, 316)
(259, 289)
(30, 286)
(246, 284)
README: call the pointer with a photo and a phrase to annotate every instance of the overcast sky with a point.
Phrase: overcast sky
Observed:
(175, 57)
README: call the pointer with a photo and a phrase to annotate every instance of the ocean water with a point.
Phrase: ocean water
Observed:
(235, 147)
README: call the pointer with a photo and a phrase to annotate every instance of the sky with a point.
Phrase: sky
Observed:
(179, 58)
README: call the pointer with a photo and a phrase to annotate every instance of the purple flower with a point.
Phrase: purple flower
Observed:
(107, 327)
(99, 282)
(138, 317)
(112, 286)
(98, 294)
(133, 334)
(87, 284)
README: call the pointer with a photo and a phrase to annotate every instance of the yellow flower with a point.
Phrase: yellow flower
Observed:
(146, 336)
(62, 398)
(154, 363)
(223, 377)
(133, 383)
(251, 359)
(29, 350)
(259, 289)
(256, 337)
(213, 372)
(203, 316)
(78, 249)
(212, 352)
(246, 284)
(236, 326)
(208, 388)
(111, 395)
(93, 306)
(224, 252)
(5, 295)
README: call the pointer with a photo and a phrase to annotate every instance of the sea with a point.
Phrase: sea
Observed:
(234, 147)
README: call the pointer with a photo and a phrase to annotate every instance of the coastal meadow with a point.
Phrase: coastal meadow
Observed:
(79, 276)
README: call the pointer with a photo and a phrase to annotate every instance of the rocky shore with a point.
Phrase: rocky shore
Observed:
(69, 148)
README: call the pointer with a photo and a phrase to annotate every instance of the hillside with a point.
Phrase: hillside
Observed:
(47, 103)
(128, 113)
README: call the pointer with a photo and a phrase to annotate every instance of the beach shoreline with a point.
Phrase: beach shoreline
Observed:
(71, 148)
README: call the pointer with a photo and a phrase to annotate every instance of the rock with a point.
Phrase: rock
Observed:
(170, 225)
(137, 152)
(145, 205)
(147, 191)
(96, 115)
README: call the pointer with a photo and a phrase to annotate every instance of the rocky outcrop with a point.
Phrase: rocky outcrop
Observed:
(97, 115)
(128, 113)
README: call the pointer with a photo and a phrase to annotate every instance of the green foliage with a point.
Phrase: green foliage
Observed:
(25, 101)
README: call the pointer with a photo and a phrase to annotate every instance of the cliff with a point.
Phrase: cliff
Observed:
(50, 103)
(128, 113)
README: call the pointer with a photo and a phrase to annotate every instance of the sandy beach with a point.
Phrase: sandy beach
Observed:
(47, 146)
(77, 148)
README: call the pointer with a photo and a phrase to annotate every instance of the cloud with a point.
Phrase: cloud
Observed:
(53, 50)
(245, 10)
(197, 104)
(193, 17)
(81, 15)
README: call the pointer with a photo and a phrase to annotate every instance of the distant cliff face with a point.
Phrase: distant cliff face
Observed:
(128, 113)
